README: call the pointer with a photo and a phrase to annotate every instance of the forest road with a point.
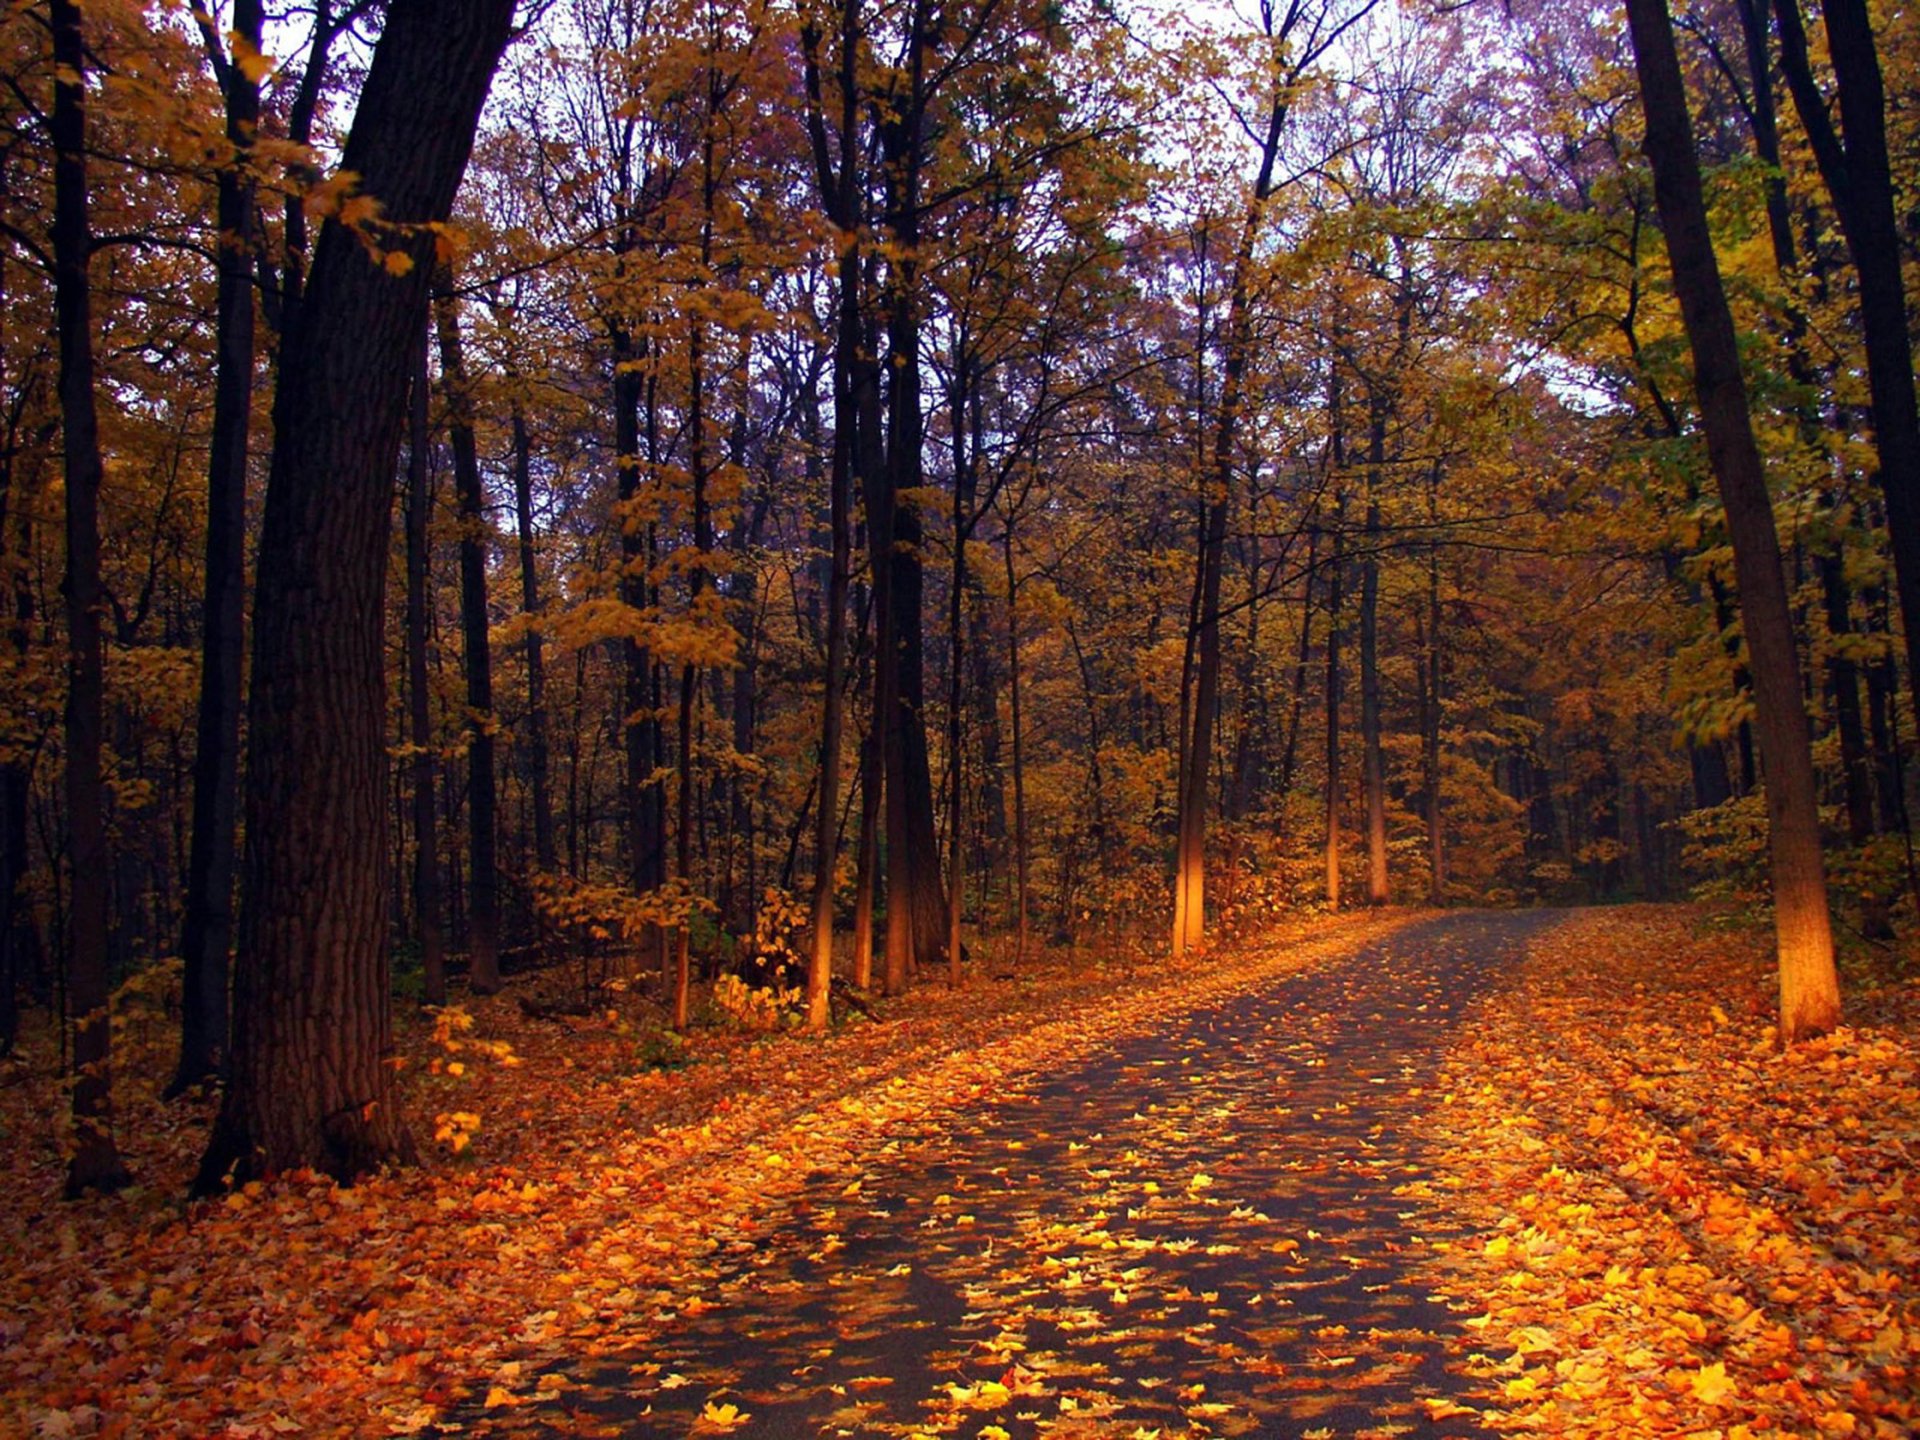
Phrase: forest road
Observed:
(1219, 1226)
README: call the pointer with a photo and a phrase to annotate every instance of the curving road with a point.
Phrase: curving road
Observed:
(1214, 1228)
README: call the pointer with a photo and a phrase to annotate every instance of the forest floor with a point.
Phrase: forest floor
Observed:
(1406, 1175)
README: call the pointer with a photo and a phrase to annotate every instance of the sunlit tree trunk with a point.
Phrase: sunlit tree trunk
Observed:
(837, 179)
(94, 1164)
(1190, 862)
(1809, 990)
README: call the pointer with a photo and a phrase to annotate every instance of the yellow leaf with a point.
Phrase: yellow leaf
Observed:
(1710, 1384)
(250, 62)
(398, 262)
(724, 1417)
(499, 1395)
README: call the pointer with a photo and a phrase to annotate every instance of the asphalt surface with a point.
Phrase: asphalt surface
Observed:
(1218, 1227)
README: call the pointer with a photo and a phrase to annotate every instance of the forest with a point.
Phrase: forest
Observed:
(738, 518)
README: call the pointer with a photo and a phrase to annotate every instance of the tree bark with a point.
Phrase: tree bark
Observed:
(95, 1163)
(207, 931)
(1373, 763)
(1021, 873)
(535, 755)
(1859, 177)
(916, 902)
(1809, 990)
(483, 865)
(1336, 579)
(311, 1083)
(427, 921)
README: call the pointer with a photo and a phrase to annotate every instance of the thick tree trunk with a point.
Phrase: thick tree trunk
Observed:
(313, 938)
(94, 1164)
(535, 758)
(207, 932)
(427, 923)
(1809, 990)
(916, 903)
(483, 865)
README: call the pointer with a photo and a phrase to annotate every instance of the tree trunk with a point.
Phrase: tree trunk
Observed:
(916, 904)
(427, 918)
(1335, 584)
(483, 906)
(1809, 990)
(643, 811)
(1373, 763)
(427, 922)
(18, 936)
(94, 1164)
(833, 702)
(313, 938)
(964, 514)
(1859, 177)
(207, 932)
(1297, 702)
(1843, 683)
(1430, 729)
(535, 757)
(1022, 892)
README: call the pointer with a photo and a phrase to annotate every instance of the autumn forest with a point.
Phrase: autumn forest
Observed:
(678, 590)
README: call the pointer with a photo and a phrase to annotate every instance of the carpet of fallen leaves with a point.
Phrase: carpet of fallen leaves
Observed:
(1201, 1229)
(591, 1194)
(1687, 1231)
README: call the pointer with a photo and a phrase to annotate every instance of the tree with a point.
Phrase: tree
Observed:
(95, 1163)
(207, 931)
(306, 1090)
(483, 910)
(1859, 177)
(1809, 990)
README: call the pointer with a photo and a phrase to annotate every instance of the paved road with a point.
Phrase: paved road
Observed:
(1211, 1229)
